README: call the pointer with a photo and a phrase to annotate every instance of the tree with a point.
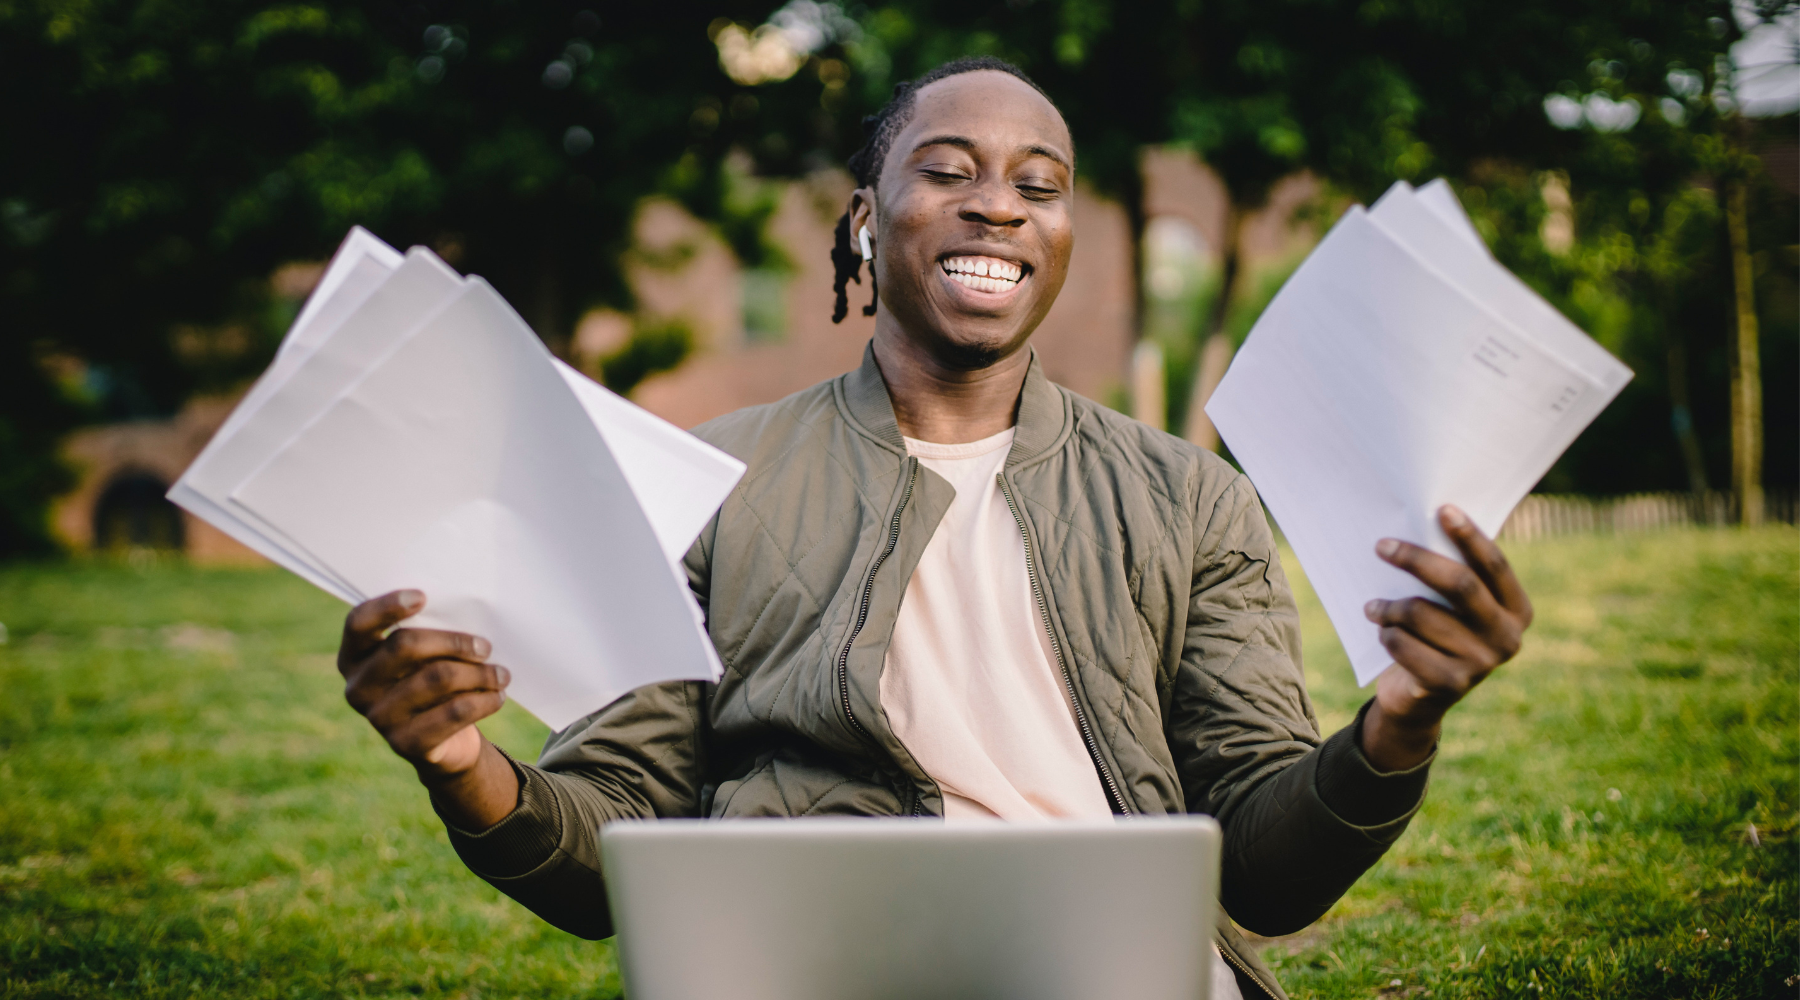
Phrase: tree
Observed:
(1653, 149)
(177, 153)
(1361, 94)
(182, 152)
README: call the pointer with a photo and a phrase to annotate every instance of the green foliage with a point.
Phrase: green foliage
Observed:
(192, 810)
(654, 346)
(1647, 276)
(172, 155)
(31, 472)
(1364, 93)
(176, 153)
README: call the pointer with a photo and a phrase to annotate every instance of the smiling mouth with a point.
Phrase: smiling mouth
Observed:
(984, 274)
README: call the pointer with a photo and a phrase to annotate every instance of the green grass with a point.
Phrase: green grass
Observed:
(190, 809)
(1587, 831)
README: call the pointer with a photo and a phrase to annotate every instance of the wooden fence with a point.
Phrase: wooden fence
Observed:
(1544, 515)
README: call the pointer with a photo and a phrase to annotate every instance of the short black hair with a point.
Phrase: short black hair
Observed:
(865, 164)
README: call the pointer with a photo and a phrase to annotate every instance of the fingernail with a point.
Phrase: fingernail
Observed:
(483, 647)
(1387, 548)
(1371, 609)
(504, 674)
(1454, 517)
(411, 599)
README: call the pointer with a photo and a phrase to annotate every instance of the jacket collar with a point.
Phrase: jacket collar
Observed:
(1043, 423)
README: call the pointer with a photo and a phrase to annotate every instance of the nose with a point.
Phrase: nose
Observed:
(994, 203)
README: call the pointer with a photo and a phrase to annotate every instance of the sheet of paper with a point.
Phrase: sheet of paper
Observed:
(341, 287)
(361, 264)
(1373, 390)
(415, 290)
(1409, 217)
(511, 514)
(1441, 201)
(679, 480)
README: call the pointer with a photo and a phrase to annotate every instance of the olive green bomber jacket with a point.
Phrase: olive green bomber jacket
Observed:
(1158, 581)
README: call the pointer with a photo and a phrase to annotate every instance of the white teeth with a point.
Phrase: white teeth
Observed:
(981, 284)
(985, 274)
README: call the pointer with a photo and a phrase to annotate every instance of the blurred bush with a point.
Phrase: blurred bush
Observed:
(654, 346)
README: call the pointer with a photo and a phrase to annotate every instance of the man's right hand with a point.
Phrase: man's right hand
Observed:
(422, 689)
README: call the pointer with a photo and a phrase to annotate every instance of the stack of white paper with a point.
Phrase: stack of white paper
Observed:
(413, 432)
(1402, 368)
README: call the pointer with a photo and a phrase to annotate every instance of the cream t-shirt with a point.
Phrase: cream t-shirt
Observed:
(971, 686)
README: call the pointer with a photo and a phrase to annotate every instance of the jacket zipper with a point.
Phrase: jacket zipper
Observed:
(862, 611)
(1239, 965)
(1081, 720)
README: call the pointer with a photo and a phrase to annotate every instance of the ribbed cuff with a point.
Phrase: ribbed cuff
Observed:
(522, 841)
(1360, 795)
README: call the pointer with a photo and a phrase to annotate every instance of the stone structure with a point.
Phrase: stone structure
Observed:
(124, 470)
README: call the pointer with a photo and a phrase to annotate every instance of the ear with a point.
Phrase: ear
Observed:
(862, 213)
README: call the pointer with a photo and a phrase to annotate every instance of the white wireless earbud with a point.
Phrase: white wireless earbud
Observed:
(863, 238)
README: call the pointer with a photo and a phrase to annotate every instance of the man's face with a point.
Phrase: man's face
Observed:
(973, 217)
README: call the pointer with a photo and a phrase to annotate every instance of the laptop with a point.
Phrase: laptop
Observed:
(885, 909)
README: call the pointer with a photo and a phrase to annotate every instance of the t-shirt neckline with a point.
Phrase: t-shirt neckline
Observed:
(969, 449)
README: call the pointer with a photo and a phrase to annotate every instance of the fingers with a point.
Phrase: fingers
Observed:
(403, 653)
(433, 685)
(1437, 627)
(407, 649)
(1442, 680)
(417, 737)
(1486, 559)
(368, 622)
(1466, 591)
(420, 688)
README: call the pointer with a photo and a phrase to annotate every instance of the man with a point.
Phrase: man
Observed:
(948, 587)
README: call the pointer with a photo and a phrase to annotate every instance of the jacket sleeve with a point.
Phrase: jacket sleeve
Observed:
(1302, 820)
(640, 757)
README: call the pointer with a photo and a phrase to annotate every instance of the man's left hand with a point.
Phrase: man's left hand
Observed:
(1440, 650)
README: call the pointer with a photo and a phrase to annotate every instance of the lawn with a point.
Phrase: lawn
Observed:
(190, 809)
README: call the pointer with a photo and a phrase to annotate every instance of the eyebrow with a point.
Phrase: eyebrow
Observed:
(963, 142)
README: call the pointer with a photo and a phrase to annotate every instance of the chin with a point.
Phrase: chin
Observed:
(974, 352)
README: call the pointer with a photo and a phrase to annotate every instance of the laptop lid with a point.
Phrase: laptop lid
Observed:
(871, 909)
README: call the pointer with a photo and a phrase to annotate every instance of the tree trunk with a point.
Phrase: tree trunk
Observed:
(1681, 410)
(1148, 384)
(1215, 350)
(547, 310)
(1746, 364)
(1681, 413)
(1132, 199)
(1148, 393)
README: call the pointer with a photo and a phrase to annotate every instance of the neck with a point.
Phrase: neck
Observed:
(945, 405)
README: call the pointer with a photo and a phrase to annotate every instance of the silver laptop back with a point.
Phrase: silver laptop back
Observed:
(862, 909)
